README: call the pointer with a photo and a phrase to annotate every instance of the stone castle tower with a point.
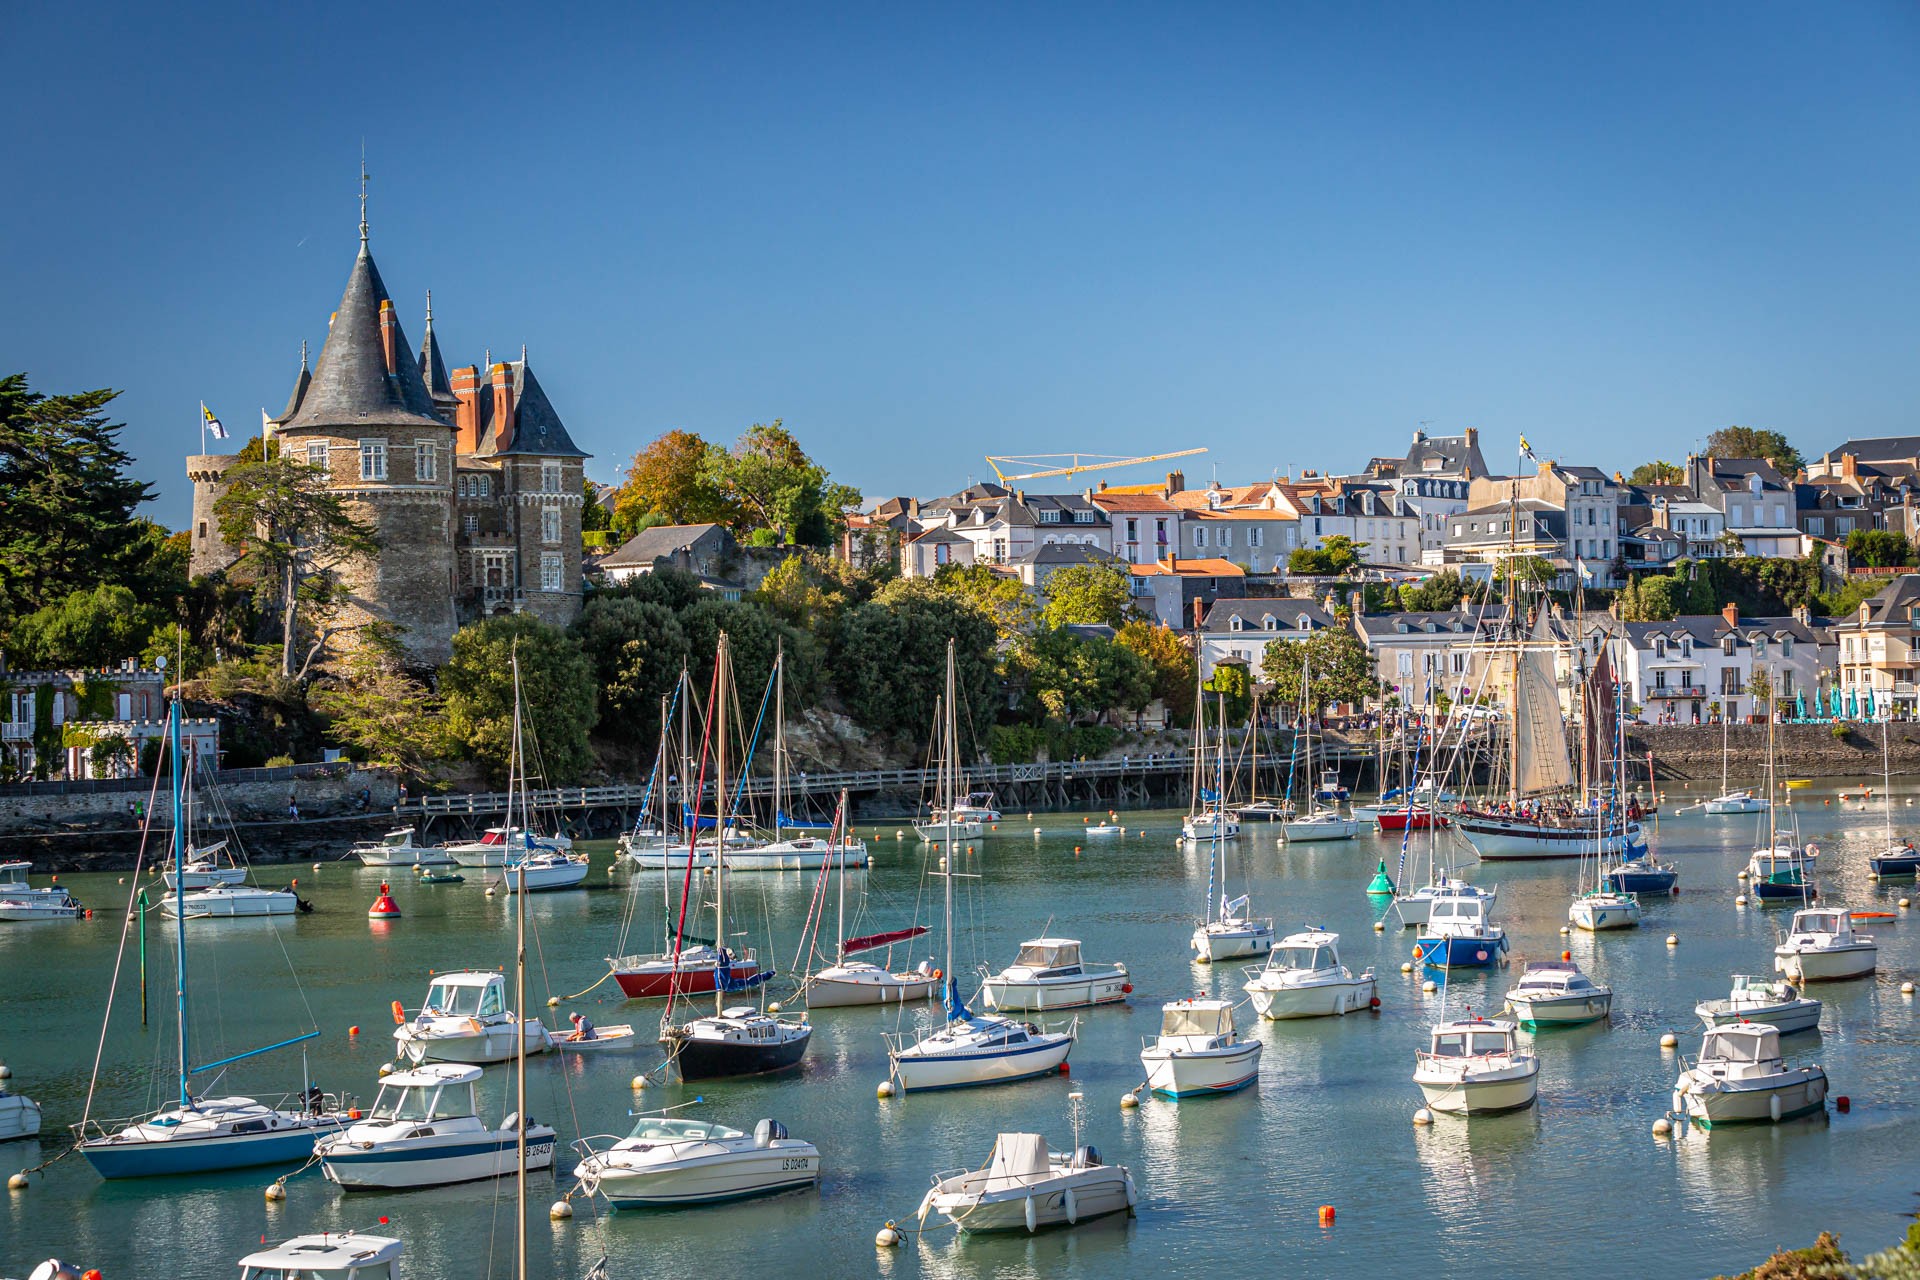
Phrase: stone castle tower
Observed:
(471, 480)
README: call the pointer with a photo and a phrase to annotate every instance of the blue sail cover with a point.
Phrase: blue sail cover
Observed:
(723, 976)
(785, 821)
(957, 1010)
(1209, 795)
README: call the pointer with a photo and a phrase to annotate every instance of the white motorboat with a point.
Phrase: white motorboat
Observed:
(335, 1255)
(1025, 1187)
(978, 804)
(397, 849)
(1736, 802)
(1233, 934)
(424, 1131)
(1554, 993)
(1822, 947)
(1321, 824)
(1476, 1067)
(1264, 811)
(19, 1115)
(56, 904)
(501, 845)
(1740, 1077)
(797, 853)
(1415, 908)
(1304, 978)
(1210, 823)
(948, 832)
(543, 871)
(204, 869)
(465, 1019)
(16, 889)
(231, 901)
(1103, 829)
(1779, 1004)
(666, 1162)
(1598, 909)
(1049, 974)
(1198, 1051)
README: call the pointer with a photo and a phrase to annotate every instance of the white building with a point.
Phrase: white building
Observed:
(1241, 630)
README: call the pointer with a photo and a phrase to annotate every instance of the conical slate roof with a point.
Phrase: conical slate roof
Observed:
(433, 369)
(351, 385)
(300, 385)
(536, 428)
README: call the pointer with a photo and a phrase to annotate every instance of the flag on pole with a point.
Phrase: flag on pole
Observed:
(1526, 450)
(266, 423)
(1586, 574)
(214, 428)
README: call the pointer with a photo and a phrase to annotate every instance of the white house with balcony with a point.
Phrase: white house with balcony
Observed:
(1143, 527)
(1695, 668)
(1241, 630)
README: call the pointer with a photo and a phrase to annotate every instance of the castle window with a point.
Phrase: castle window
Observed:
(203, 529)
(550, 525)
(549, 477)
(317, 455)
(483, 486)
(373, 459)
(426, 462)
(471, 524)
(550, 571)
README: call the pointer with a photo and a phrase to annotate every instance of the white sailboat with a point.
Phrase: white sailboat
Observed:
(970, 1048)
(1208, 817)
(1233, 933)
(852, 982)
(1323, 819)
(1730, 800)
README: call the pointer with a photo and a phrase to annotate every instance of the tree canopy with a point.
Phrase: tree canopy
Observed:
(774, 485)
(1658, 472)
(888, 656)
(669, 481)
(1072, 678)
(1000, 596)
(1879, 548)
(560, 702)
(386, 719)
(1754, 442)
(89, 630)
(1439, 592)
(1088, 595)
(637, 649)
(1335, 661)
(1335, 555)
(1171, 661)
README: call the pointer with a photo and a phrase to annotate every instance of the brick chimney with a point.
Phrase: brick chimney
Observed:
(1199, 611)
(1731, 612)
(1176, 482)
(502, 407)
(1849, 466)
(1473, 436)
(466, 415)
(389, 335)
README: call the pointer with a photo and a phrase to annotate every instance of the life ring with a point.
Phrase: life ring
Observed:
(937, 975)
(399, 1015)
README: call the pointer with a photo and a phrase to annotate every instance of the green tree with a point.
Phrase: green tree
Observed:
(66, 501)
(1879, 548)
(1335, 660)
(1000, 596)
(757, 637)
(385, 718)
(1071, 679)
(1658, 472)
(1751, 442)
(889, 659)
(674, 588)
(1172, 661)
(1438, 592)
(559, 703)
(1336, 555)
(1088, 595)
(294, 533)
(89, 629)
(594, 514)
(668, 482)
(774, 485)
(637, 649)
(1528, 571)
(1229, 694)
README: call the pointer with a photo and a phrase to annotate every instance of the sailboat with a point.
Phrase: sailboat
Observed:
(1900, 859)
(1323, 821)
(202, 1134)
(847, 981)
(1233, 933)
(971, 1048)
(1605, 905)
(736, 1040)
(799, 851)
(1259, 808)
(1729, 800)
(1208, 817)
(1780, 872)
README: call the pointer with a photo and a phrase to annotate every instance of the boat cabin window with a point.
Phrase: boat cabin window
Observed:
(665, 1129)
(1736, 1048)
(1194, 1022)
(374, 1271)
(1816, 922)
(1306, 957)
(465, 1001)
(418, 1102)
(1451, 1045)
(1489, 1042)
(1049, 955)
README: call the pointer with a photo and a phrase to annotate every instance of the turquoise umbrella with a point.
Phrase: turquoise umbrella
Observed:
(1800, 706)
(1835, 707)
(1869, 705)
(1853, 706)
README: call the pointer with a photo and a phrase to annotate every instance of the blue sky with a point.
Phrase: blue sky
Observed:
(1289, 233)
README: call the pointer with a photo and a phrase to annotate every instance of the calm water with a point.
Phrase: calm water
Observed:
(1228, 1184)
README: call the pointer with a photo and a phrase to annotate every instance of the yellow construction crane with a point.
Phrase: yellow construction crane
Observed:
(1075, 463)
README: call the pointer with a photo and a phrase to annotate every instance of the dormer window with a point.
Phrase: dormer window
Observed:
(1236, 623)
(1786, 646)
(1686, 647)
(1049, 516)
(1269, 623)
(1726, 645)
(1659, 646)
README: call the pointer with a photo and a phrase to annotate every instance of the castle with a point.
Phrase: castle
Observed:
(469, 478)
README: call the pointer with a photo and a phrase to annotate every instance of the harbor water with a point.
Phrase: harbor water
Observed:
(1230, 1186)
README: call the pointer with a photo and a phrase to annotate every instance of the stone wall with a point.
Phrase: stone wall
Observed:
(1800, 750)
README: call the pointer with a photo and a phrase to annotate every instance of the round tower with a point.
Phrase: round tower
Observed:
(210, 553)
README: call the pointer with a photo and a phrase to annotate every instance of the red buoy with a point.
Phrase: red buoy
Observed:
(384, 907)
(1126, 988)
(1843, 1102)
(1326, 1215)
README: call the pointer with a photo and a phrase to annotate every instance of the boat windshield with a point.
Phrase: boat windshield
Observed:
(1195, 1022)
(663, 1129)
(1736, 1048)
(424, 1102)
(1816, 922)
(1463, 1044)
(1048, 955)
(1313, 958)
(374, 1271)
(464, 1001)
(14, 877)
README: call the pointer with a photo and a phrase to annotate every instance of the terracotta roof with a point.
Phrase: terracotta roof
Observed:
(1187, 568)
(1239, 513)
(1152, 501)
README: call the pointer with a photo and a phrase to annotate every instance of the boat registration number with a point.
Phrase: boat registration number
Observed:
(539, 1148)
(795, 1162)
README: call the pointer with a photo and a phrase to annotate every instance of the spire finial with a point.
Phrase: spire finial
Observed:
(303, 354)
(429, 306)
(363, 191)
(523, 353)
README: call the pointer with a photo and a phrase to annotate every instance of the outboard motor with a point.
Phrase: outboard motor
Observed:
(768, 1132)
(1086, 1157)
(54, 1269)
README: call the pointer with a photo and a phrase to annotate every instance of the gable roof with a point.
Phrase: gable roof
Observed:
(1183, 567)
(536, 428)
(1286, 612)
(1133, 503)
(1892, 602)
(650, 545)
(1880, 448)
(351, 384)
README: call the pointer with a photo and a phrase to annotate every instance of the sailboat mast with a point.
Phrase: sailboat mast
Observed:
(840, 856)
(723, 682)
(949, 734)
(779, 736)
(517, 762)
(1219, 810)
(179, 897)
(666, 828)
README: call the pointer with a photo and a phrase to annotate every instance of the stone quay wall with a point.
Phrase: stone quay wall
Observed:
(1692, 752)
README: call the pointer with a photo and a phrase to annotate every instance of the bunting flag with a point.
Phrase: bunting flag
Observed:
(1526, 450)
(214, 428)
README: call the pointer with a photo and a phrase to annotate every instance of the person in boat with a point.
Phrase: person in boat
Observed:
(583, 1028)
(316, 1100)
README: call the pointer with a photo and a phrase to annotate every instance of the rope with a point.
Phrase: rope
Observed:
(119, 958)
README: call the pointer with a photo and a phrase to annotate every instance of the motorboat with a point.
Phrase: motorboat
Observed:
(55, 904)
(1198, 1051)
(543, 871)
(665, 1162)
(501, 845)
(1779, 874)
(424, 1131)
(642, 839)
(1330, 788)
(1103, 829)
(1778, 1004)
(1821, 946)
(204, 869)
(1554, 993)
(465, 1019)
(696, 969)
(1263, 811)
(231, 901)
(1414, 908)
(397, 849)
(1459, 933)
(942, 829)
(1211, 823)
(1321, 824)
(1606, 908)
(739, 1040)
(1233, 934)
(1025, 1187)
(979, 806)
(207, 1135)
(19, 1115)
(1644, 875)
(16, 890)
(1740, 1077)
(1738, 801)
(797, 853)
(334, 1255)
(1304, 978)
(1048, 973)
(1474, 1066)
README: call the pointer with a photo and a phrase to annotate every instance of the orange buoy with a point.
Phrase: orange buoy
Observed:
(353, 1031)
(399, 1014)
(1566, 955)
(384, 907)
(1326, 1215)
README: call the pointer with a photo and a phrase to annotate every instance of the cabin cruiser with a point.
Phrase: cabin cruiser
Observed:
(1458, 932)
(1554, 993)
(1025, 1187)
(1330, 788)
(19, 1115)
(692, 970)
(1265, 811)
(1303, 978)
(666, 1162)
(1822, 947)
(798, 853)
(945, 829)
(335, 1255)
(977, 807)
(1198, 1051)
(674, 855)
(1321, 824)
(1762, 1000)
(544, 870)
(501, 845)
(1211, 823)
(738, 1041)
(204, 869)
(465, 1019)
(397, 849)
(1476, 1067)
(1739, 1077)
(424, 1131)
(1414, 908)
(231, 901)
(1739, 801)
(1598, 909)
(19, 900)
(1049, 974)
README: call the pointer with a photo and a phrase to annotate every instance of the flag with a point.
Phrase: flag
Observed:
(214, 428)
(266, 423)
(1586, 574)
(1526, 450)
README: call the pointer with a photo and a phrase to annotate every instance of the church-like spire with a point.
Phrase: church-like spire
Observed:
(433, 368)
(353, 381)
(363, 196)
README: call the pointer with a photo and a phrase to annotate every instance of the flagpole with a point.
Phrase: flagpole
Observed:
(203, 426)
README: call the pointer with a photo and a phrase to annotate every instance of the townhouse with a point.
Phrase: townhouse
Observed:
(1241, 630)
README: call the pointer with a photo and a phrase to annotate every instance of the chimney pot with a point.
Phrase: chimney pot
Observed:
(389, 329)
(1731, 612)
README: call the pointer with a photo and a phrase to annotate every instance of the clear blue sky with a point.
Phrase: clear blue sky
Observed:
(1287, 232)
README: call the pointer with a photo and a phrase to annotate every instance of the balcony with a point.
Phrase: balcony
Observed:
(1674, 692)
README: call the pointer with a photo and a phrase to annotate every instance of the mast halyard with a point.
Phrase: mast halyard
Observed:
(517, 762)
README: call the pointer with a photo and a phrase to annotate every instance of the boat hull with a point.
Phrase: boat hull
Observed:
(1560, 1011)
(1092, 1197)
(1891, 866)
(216, 904)
(1211, 943)
(659, 982)
(423, 857)
(1401, 820)
(405, 1165)
(720, 1059)
(490, 1043)
(1835, 965)
(1315, 832)
(116, 1160)
(1787, 1018)
(824, 991)
(1507, 1091)
(1034, 997)
(19, 1117)
(1313, 1000)
(1179, 1074)
(1497, 839)
(1789, 1100)
(1628, 879)
(1458, 953)
(738, 1176)
(1595, 915)
(966, 1069)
